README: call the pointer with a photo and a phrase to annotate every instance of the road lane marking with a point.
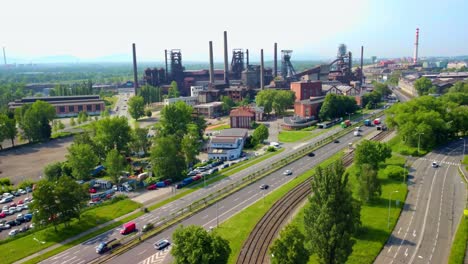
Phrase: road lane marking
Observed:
(142, 252)
(414, 233)
(390, 248)
(406, 252)
(399, 230)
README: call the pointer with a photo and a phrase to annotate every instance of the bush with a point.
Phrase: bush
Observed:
(271, 149)
(25, 183)
(394, 172)
(148, 113)
(5, 181)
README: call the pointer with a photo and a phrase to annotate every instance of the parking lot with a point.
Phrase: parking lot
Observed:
(11, 217)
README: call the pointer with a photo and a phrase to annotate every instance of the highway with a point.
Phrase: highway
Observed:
(434, 206)
(209, 217)
(85, 252)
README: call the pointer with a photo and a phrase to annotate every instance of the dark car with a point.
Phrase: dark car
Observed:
(161, 244)
(336, 141)
(147, 227)
(311, 154)
(264, 186)
(12, 223)
(105, 246)
(152, 187)
(24, 228)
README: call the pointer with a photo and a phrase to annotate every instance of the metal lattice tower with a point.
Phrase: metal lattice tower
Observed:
(287, 69)
(237, 63)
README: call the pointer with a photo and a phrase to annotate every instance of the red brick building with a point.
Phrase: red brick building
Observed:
(242, 117)
(306, 89)
(308, 107)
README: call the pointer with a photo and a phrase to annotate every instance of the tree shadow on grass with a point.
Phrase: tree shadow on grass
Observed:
(75, 228)
(383, 202)
(372, 234)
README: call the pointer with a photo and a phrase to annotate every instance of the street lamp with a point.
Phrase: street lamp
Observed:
(419, 141)
(389, 205)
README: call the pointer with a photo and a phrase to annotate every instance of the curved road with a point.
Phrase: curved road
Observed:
(433, 208)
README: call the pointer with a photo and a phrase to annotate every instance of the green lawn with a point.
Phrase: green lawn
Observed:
(225, 126)
(237, 229)
(457, 253)
(27, 245)
(465, 161)
(292, 136)
(397, 145)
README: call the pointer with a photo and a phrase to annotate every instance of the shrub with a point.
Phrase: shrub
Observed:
(271, 149)
(394, 172)
(5, 181)
(25, 183)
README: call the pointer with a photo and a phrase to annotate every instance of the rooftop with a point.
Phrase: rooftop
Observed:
(233, 132)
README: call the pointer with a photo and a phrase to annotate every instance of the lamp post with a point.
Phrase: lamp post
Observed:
(419, 141)
(389, 205)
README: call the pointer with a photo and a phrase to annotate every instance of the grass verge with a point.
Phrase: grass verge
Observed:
(292, 136)
(457, 253)
(237, 228)
(238, 167)
(397, 145)
(27, 245)
(221, 127)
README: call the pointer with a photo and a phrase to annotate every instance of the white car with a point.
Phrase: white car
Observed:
(5, 226)
(287, 172)
(13, 232)
(22, 191)
(435, 165)
(6, 207)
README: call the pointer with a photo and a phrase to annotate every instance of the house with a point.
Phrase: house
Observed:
(244, 116)
(306, 89)
(228, 144)
(209, 110)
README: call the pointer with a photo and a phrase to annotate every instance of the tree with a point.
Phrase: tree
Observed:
(382, 89)
(45, 204)
(115, 164)
(422, 85)
(193, 245)
(228, 103)
(72, 121)
(372, 153)
(71, 198)
(136, 107)
(112, 132)
(173, 90)
(174, 119)
(148, 113)
(369, 184)
(166, 158)
(34, 120)
(289, 248)
(190, 145)
(335, 106)
(394, 78)
(8, 129)
(265, 99)
(260, 133)
(140, 141)
(459, 87)
(275, 100)
(82, 160)
(332, 216)
(53, 171)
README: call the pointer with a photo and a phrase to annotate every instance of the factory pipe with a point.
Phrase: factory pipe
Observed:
(247, 56)
(350, 62)
(135, 72)
(165, 58)
(416, 44)
(362, 65)
(275, 69)
(261, 70)
(4, 56)
(226, 78)
(211, 64)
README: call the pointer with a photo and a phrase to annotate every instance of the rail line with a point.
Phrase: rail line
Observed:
(255, 248)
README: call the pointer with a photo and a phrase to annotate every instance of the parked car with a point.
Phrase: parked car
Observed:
(28, 189)
(11, 223)
(147, 227)
(152, 187)
(28, 217)
(161, 244)
(24, 228)
(92, 190)
(2, 215)
(22, 191)
(4, 226)
(13, 232)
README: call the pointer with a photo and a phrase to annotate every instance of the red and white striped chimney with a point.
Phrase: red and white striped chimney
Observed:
(415, 57)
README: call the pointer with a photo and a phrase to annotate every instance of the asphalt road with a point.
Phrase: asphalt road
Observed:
(85, 252)
(432, 211)
(145, 252)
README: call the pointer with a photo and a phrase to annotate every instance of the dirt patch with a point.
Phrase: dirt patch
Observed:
(28, 162)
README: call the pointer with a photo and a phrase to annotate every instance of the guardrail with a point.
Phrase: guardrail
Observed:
(132, 241)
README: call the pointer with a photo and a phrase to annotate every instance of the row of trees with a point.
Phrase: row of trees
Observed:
(150, 94)
(336, 106)
(430, 120)
(177, 141)
(8, 128)
(277, 100)
(34, 120)
(11, 92)
(83, 88)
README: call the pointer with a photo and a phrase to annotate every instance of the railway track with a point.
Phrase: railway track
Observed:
(255, 248)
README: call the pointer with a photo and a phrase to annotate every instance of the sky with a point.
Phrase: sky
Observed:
(106, 29)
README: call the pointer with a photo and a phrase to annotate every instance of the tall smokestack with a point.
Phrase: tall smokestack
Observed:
(165, 58)
(350, 62)
(261, 70)
(211, 64)
(135, 72)
(362, 65)
(275, 68)
(247, 57)
(4, 56)
(416, 44)
(226, 79)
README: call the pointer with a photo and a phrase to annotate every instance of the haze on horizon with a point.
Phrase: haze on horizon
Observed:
(90, 30)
